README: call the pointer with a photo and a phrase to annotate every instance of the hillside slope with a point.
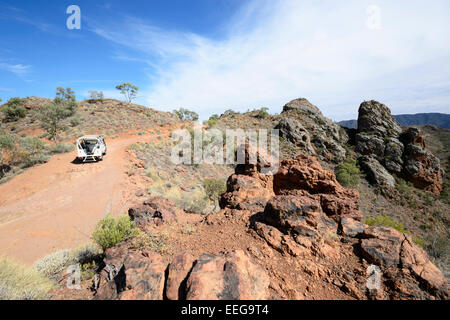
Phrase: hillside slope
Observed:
(56, 205)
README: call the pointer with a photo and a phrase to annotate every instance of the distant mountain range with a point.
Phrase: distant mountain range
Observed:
(441, 120)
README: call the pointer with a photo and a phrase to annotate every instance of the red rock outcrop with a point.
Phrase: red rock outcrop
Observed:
(156, 210)
(303, 176)
(129, 274)
(231, 277)
(421, 167)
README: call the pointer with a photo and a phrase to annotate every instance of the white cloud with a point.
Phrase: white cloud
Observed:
(18, 69)
(275, 51)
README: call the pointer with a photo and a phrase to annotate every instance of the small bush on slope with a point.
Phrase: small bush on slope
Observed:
(186, 115)
(385, 221)
(18, 282)
(54, 263)
(110, 232)
(348, 173)
(14, 109)
(61, 148)
(214, 188)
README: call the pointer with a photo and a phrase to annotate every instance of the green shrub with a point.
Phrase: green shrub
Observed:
(14, 109)
(348, 173)
(214, 188)
(18, 282)
(212, 120)
(29, 161)
(32, 145)
(51, 116)
(61, 148)
(419, 242)
(186, 115)
(7, 148)
(110, 232)
(74, 121)
(385, 221)
(263, 113)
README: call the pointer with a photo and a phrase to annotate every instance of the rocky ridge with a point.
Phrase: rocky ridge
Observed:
(303, 213)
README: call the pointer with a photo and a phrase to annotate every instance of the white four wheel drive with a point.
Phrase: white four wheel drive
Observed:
(91, 148)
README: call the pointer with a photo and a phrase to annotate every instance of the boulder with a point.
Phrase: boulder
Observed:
(245, 193)
(381, 246)
(304, 176)
(396, 253)
(351, 227)
(131, 275)
(177, 274)
(421, 167)
(231, 277)
(302, 105)
(156, 210)
(293, 214)
(376, 174)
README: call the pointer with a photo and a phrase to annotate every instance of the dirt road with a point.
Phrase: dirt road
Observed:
(57, 205)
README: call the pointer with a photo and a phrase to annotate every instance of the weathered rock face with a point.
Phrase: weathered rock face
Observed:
(293, 131)
(245, 193)
(403, 153)
(421, 167)
(375, 117)
(325, 136)
(378, 134)
(250, 187)
(232, 277)
(177, 275)
(129, 274)
(302, 176)
(305, 176)
(389, 248)
(156, 210)
(376, 173)
(293, 214)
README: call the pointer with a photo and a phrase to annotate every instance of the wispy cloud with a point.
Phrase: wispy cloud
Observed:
(8, 12)
(18, 69)
(274, 51)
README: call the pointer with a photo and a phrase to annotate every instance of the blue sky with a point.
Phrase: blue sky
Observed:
(212, 55)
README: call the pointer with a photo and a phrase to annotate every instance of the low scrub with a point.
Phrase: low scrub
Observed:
(214, 188)
(14, 110)
(348, 173)
(385, 221)
(186, 115)
(61, 148)
(53, 264)
(110, 232)
(147, 241)
(18, 282)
